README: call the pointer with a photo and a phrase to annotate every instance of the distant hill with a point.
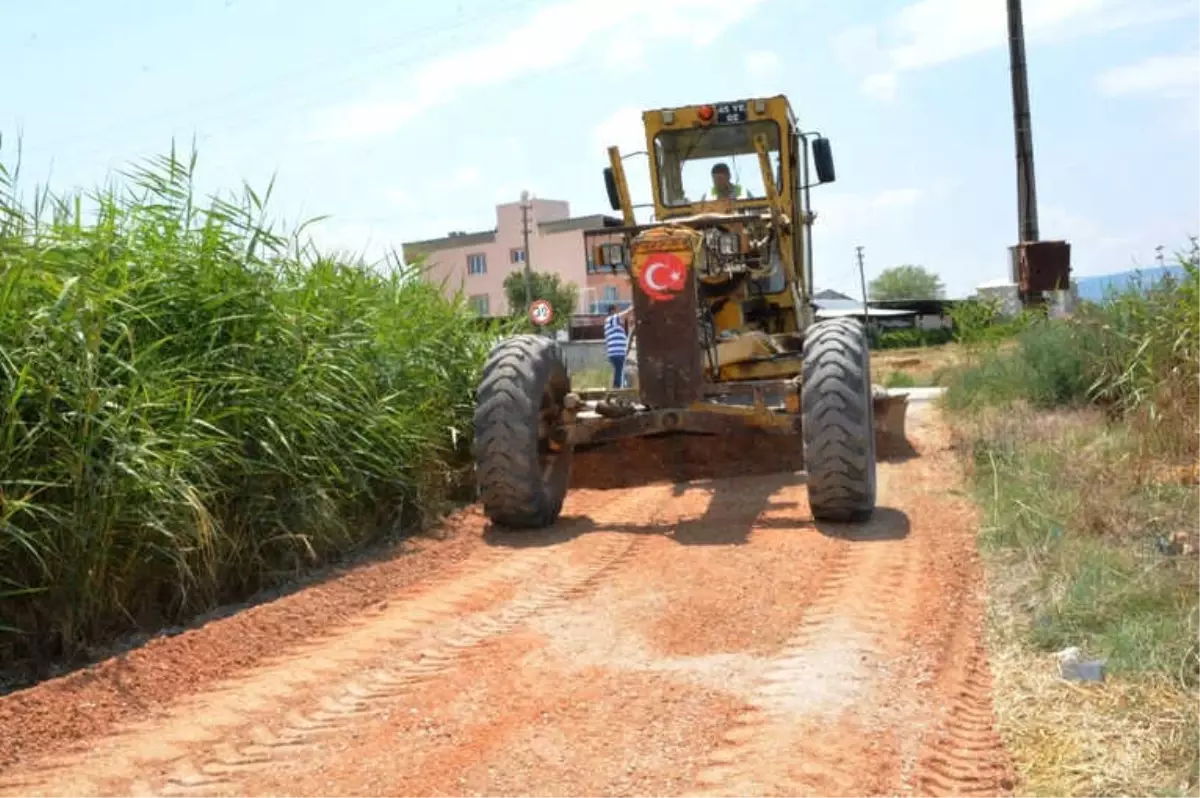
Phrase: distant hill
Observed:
(1094, 288)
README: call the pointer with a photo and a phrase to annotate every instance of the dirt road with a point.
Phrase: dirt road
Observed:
(702, 637)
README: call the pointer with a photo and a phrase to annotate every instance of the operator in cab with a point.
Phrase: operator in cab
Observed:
(723, 187)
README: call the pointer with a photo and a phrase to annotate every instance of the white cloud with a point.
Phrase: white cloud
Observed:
(622, 128)
(930, 33)
(465, 177)
(763, 72)
(897, 198)
(400, 198)
(881, 86)
(1160, 75)
(762, 64)
(856, 213)
(625, 54)
(1174, 78)
(350, 238)
(552, 37)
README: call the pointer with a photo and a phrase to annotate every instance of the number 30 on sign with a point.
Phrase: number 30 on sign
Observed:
(540, 313)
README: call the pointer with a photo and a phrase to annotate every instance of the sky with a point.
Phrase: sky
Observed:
(405, 120)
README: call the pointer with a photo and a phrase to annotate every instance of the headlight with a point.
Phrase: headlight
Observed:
(729, 243)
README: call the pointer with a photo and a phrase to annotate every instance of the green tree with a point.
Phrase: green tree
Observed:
(907, 282)
(550, 287)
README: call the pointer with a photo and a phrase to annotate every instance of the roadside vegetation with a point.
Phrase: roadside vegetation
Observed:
(1081, 436)
(195, 406)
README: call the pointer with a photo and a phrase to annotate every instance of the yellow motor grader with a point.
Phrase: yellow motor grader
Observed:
(725, 331)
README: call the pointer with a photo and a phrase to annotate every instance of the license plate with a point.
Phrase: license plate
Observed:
(731, 113)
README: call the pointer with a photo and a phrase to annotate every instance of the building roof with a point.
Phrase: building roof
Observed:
(829, 293)
(999, 282)
(844, 303)
(452, 241)
(881, 307)
(595, 221)
(924, 306)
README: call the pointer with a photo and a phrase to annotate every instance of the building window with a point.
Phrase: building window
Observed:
(477, 263)
(516, 255)
(610, 293)
(607, 259)
(481, 304)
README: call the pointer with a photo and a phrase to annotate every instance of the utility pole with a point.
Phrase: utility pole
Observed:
(1038, 267)
(1022, 127)
(525, 236)
(862, 275)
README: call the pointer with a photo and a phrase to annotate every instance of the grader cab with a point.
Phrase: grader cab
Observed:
(725, 330)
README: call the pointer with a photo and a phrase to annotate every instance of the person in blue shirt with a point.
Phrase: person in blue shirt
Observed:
(616, 342)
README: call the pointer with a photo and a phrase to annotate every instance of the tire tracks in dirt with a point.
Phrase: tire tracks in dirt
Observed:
(884, 688)
(783, 744)
(283, 708)
(964, 755)
(873, 681)
(960, 751)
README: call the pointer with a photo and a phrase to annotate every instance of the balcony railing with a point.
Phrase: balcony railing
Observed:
(600, 306)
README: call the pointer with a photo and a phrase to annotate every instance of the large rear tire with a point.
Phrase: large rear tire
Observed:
(838, 421)
(521, 471)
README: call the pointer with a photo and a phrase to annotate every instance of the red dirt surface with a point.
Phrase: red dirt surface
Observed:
(699, 634)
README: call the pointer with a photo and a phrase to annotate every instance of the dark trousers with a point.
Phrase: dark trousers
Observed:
(618, 364)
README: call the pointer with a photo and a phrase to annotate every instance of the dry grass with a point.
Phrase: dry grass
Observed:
(1078, 517)
(592, 379)
(1128, 736)
(923, 364)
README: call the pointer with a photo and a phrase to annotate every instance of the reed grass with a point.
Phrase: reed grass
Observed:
(195, 405)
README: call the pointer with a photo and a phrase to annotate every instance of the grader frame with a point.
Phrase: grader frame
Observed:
(726, 337)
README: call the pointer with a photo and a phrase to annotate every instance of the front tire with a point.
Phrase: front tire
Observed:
(521, 471)
(838, 421)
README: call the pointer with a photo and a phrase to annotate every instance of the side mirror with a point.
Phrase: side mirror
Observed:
(610, 184)
(823, 160)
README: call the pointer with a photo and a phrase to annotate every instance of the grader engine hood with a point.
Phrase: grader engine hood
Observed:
(669, 358)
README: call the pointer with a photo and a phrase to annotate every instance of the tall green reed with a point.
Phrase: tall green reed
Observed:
(195, 405)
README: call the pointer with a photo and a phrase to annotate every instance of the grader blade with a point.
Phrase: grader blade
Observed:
(889, 410)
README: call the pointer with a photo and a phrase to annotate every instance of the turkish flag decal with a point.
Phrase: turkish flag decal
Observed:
(663, 276)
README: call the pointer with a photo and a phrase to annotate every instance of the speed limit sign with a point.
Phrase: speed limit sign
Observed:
(540, 313)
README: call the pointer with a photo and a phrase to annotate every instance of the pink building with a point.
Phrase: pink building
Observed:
(477, 263)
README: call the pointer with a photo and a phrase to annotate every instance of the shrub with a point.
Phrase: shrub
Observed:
(1137, 353)
(911, 339)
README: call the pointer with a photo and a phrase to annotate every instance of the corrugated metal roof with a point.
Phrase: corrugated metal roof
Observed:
(830, 313)
(596, 221)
